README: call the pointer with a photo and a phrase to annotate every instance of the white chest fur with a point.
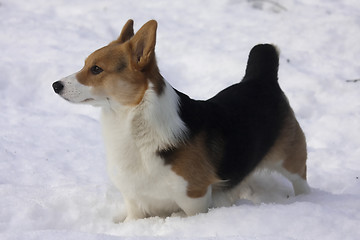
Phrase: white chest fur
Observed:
(132, 137)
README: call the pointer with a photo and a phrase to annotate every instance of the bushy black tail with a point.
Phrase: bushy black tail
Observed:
(263, 64)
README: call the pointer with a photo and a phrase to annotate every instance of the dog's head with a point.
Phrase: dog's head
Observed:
(121, 71)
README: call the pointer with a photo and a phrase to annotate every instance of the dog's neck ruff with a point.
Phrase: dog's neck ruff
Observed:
(154, 123)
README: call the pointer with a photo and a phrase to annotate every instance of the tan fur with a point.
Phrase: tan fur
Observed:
(290, 147)
(295, 161)
(192, 162)
(128, 64)
(127, 32)
(143, 59)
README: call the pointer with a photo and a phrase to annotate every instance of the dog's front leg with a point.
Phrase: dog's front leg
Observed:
(192, 206)
(133, 211)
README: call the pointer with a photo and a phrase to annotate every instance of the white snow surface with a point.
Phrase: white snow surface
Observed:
(53, 182)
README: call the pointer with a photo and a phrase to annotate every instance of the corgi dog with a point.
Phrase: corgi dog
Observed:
(168, 153)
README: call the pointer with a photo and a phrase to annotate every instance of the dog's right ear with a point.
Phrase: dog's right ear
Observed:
(127, 32)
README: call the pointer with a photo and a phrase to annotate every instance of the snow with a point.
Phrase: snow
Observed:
(53, 181)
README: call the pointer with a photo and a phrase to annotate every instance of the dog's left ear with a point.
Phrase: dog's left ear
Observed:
(127, 31)
(143, 45)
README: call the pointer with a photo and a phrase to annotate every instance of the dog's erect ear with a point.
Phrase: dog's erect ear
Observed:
(127, 31)
(143, 45)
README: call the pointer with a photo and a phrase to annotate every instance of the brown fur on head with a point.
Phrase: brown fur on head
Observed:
(124, 68)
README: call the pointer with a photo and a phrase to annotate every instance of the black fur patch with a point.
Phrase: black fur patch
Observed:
(241, 122)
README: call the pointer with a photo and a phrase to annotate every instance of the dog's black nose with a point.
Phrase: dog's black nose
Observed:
(58, 86)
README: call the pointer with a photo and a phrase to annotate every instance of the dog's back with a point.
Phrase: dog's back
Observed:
(250, 123)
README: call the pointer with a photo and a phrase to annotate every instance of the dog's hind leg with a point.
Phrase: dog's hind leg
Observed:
(288, 155)
(294, 165)
(299, 182)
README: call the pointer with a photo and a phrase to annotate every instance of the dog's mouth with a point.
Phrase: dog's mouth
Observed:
(87, 100)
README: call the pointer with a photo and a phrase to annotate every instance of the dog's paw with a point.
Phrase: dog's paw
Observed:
(180, 214)
(119, 218)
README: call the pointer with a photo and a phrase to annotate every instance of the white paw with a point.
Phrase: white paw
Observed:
(180, 214)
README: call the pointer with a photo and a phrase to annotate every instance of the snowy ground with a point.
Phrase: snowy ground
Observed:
(53, 183)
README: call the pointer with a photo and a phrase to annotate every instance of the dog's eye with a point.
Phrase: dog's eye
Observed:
(96, 69)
